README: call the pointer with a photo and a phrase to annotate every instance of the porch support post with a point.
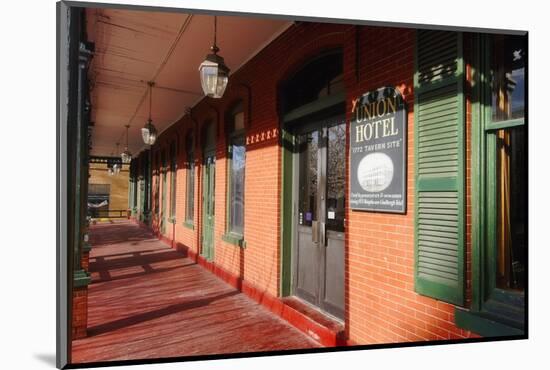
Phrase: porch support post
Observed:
(81, 276)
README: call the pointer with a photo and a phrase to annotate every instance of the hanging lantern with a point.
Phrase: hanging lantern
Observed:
(116, 168)
(213, 71)
(149, 132)
(126, 156)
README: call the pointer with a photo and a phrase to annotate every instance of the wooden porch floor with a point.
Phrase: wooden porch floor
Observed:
(148, 301)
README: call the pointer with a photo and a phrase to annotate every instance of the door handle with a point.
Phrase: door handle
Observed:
(315, 232)
(323, 232)
(319, 232)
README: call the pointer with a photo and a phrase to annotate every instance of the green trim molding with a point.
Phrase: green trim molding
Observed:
(484, 324)
(493, 312)
(286, 232)
(234, 239)
(188, 224)
(81, 278)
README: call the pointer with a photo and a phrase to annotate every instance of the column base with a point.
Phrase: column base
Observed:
(85, 261)
(80, 312)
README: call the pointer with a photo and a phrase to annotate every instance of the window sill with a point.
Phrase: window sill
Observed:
(188, 225)
(234, 239)
(172, 220)
(484, 323)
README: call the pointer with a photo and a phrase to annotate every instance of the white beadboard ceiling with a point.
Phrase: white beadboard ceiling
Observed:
(133, 47)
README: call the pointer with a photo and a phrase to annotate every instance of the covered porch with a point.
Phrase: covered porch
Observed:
(147, 300)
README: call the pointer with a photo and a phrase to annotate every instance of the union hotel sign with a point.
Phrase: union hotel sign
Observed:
(378, 147)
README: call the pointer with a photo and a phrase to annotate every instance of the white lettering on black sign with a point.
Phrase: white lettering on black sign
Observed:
(378, 147)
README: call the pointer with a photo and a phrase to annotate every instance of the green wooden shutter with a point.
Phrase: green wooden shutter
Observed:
(439, 163)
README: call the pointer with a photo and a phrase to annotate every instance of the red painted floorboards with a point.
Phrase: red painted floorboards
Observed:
(149, 301)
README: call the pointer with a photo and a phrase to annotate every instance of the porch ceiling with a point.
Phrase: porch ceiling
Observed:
(133, 47)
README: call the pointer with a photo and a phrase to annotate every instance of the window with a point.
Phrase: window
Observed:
(134, 187)
(236, 173)
(173, 179)
(506, 162)
(157, 186)
(499, 254)
(190, 179)
(320, 78)
(163, 171)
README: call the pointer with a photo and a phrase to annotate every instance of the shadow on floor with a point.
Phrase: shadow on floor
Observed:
(146, 316)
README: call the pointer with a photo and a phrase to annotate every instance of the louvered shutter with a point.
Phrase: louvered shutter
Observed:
(439, 158)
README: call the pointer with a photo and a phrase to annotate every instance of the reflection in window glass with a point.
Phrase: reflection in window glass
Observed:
(238, 153)
(508, 66)
(308, 146)
(512, 208)
(336, 177)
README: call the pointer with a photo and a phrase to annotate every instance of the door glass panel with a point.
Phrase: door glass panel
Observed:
(307, 198)
(512, 209)
(336, 177)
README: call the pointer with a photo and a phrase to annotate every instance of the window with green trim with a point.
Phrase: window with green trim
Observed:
(163, 174)
(156, 185)
(173, 179)
(509, 155)
(499, 190)
(190, 179)
(236, 172)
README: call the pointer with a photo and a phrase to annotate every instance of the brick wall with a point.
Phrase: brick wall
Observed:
(381, 305)
(80, 312)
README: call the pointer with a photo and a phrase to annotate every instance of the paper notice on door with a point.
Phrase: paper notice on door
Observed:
(331, 215)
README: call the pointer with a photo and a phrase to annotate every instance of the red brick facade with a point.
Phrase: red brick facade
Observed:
(381, 303)
(80, 312)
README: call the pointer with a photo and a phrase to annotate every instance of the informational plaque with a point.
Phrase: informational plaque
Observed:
(378, 149)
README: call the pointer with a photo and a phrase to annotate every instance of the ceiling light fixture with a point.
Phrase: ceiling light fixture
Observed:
(126, 156)
(213, 71)
(149, 132)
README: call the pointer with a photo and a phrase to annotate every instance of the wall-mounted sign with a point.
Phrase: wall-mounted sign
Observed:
(378, 149)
